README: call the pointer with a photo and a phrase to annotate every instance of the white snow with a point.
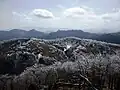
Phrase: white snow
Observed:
(81, 47)
(67, 47)
(39, 56)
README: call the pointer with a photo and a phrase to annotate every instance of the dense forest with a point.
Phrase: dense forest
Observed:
(60, 64)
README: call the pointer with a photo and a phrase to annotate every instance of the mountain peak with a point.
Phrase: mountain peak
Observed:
(33, 30)
(16, 30)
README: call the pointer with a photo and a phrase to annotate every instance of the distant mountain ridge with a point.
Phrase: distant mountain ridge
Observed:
(70, 33)
(19, 33)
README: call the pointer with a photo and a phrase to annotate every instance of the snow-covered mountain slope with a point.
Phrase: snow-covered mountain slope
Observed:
(36, 59)
(28, 51)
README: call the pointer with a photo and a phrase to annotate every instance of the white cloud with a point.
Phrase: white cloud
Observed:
(42, 13)
(15, 13)
(22, 15)
(74, 12)
(89, 13)
(77, 12)
(60, 6)
(111, 16)
(83, 17)
(111, 21)
(87, 18)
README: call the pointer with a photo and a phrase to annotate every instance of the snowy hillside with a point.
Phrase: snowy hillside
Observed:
(41, 62)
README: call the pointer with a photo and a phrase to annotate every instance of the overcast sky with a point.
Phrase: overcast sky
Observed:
(88, 15)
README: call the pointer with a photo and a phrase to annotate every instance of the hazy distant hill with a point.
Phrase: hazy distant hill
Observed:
(18, 33)
(110, 37)
(70, 33)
